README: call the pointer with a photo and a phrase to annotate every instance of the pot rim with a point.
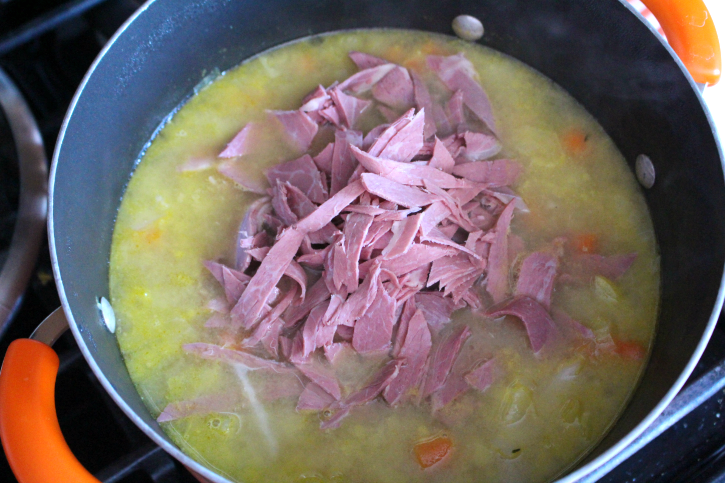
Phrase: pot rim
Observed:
(586, 472)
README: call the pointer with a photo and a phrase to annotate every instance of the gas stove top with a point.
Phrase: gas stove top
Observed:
(46, 47)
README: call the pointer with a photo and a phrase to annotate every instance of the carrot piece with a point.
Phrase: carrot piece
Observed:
(574, 141)
(432, 451)
(416, 64)
(586, 243)
(630, 350)
(151, 235)
(434, 48)
(394, 53)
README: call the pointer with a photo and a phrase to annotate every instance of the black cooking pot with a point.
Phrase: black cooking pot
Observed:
(597, 50)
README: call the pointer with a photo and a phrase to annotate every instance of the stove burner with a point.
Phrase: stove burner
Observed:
(19, 259)
(9, 192)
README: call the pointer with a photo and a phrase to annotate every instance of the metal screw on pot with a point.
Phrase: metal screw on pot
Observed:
(107, 314)
(645, 171)
(467, 27)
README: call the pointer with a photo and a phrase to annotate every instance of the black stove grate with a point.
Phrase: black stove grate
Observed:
(9, 188)
(46, 46)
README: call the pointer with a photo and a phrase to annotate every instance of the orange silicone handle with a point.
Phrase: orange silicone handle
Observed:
(691, 33)
(31, 436)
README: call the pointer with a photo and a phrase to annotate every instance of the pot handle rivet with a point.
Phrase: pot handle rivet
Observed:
(107, 314)
(467, 27)
(645, 171)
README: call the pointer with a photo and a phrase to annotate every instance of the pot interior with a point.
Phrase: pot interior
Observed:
(598, 51)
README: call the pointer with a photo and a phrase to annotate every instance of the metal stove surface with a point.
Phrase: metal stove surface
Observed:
(46, 47)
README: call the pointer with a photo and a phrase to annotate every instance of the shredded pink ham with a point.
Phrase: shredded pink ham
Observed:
(539, 324)
(365, 61)
(369, 246)
(241, 144)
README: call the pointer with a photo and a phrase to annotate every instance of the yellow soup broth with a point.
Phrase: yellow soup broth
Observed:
(540, 417)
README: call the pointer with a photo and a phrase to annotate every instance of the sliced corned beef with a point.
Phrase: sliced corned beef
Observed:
(537, 277)
(479, 146)
(298, 127)
(321, 373)
(384, 137)
(373, 135)
(355, 232)
(335, 266)
(334, 350)
(404, 232)
(442, 358)
(365, 61)
(301, 173)
(364, 80)
(242, 143)
(461, 286)
(437, 309)
(334, 421)
(413, 354)
(317, 294)
(271, 323)
(280, 204)
(363, 396)
(298, 202)
(408, 173)
(345, 332)
(407, 141)
(314, 333)
(330, 208)
(395, 89)
(423, 101)
(483, 376)
(359, 301)
(314, 397)
(434, 214)
(315, 100)
(458, 74)
(323, 160)
(240, 173)
(381, 380)
(570, 327)
(501, 172)
(251, 225)
(441, 158)
(343, 162)
(251, 362)
(233, 281)
(213, 403)
(539, 325)
(417, 255)
(454, 387)
(218, 305)
(268, 275)
(408, 311)
(270, 339)
(398, 193)
(374, 330)
(349, 108)
(498, 260)
(456, 114)
(330, 114)
(446, 269)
